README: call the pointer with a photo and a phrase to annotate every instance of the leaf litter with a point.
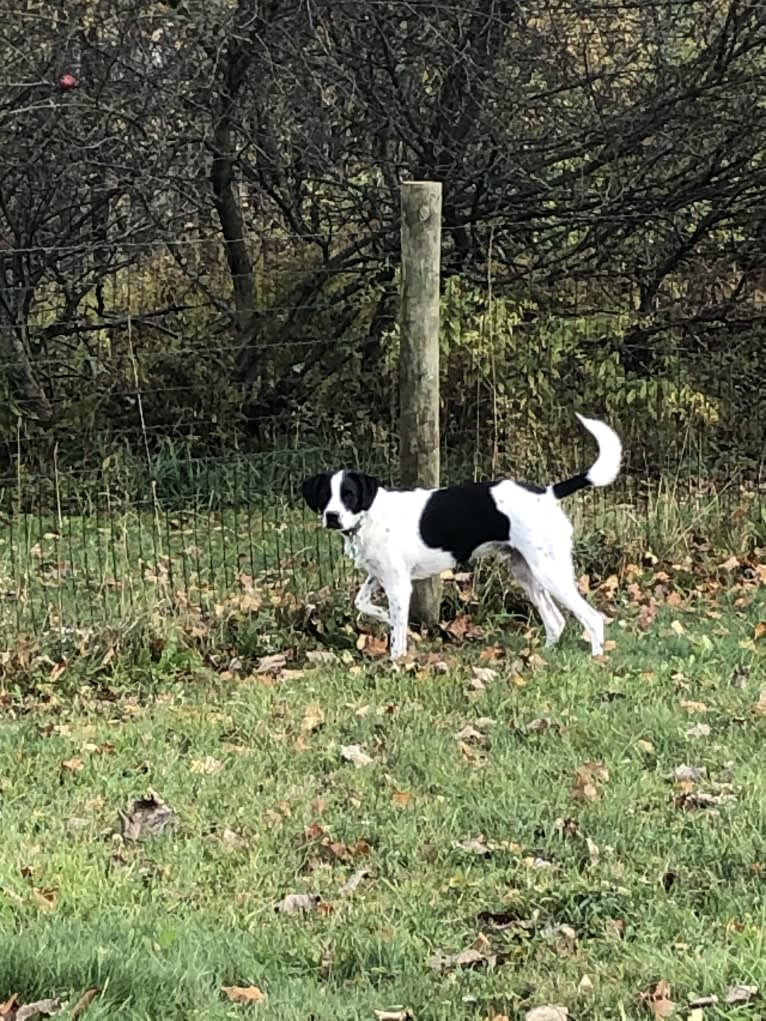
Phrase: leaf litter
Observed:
(147, 817)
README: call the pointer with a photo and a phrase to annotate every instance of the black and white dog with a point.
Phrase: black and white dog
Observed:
(398, 536)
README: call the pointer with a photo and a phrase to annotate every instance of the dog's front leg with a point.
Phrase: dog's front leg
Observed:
(399, 592)
(364, 603)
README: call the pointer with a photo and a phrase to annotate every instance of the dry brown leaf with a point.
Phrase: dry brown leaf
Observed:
(244, 994)
(207, 766)
(372, 646)
(470, 958)
(693, 707)
(84, 1002)
(313, 718)
(470, 734)
(657, 999)
(318, 657)
(147, 817)
(550, 1012)
(759, 707)
(697, 1002)
(45, 898)
(41, 1008)
(646, 615)
(72, 765)
(353, 882)
(353, 753)
(271, 664)
(587, 778)
(397, 1014)
(293, 902)
(401, 798)
(698, 730)
(688, 774)
(740, 994)
(9, 1005)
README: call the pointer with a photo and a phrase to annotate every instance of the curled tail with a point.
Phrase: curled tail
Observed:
(606, 466)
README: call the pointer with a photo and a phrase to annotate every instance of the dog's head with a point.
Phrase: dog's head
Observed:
(340, 498)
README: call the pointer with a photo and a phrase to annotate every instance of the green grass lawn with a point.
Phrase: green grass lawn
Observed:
(575, 884)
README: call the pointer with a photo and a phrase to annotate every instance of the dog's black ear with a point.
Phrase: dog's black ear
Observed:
(316, 491)
(367, 486)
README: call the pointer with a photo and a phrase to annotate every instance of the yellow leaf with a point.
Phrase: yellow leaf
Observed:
(244, 994)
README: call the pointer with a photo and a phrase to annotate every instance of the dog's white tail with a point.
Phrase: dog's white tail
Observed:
(604, 469)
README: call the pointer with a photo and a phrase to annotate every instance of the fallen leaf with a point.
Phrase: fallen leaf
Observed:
(585, 985)
(41, 1008)
(645, 746)
(320, 656)
(473, 845)
(271, 664)
(677, 627)
(703, 1001)
(485, 674)
(471, 735)
(45, 898)
(72, 765)
(305, 902)
(657, 999)
(313, 718)
(232, 841)
(586, 782)
(373, 646)
(84, 1002)
(730, 565)
(9, 1005)
(469, 958)
(760, 630)
(244, 994)
(741, 994)
(353, 753)
(693, 707)
(688, 774)
(147, 817)
(696, 1014)
(547, 1013)
(207, 766)
(760, 706)
(698, 730)
(401, 798)
(397, 1014)
(353, 882)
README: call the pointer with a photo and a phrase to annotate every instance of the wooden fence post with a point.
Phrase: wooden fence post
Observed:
(421, 208)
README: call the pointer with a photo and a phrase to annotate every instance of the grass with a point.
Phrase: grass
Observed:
(628, 883)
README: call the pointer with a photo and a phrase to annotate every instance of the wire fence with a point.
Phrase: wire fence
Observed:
(142, 469)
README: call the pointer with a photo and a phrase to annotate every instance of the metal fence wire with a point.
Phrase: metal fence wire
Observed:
(158, 477)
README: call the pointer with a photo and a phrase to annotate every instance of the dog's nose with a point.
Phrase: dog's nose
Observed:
(332, 520)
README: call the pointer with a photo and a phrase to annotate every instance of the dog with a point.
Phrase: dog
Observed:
(398, 536)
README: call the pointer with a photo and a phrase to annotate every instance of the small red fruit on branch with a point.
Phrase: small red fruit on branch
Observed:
(67, 82)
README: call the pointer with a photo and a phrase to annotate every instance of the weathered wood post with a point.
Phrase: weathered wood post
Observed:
(421, 209)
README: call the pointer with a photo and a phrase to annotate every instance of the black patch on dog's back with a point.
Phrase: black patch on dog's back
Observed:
(460, 518)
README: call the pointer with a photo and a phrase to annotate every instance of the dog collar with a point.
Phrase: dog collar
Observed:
(351, 532)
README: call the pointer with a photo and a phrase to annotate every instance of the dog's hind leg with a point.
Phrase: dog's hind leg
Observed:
(556, 575)
(551, 616)
(364, 603)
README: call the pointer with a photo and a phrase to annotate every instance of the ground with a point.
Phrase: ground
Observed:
(591, 832)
